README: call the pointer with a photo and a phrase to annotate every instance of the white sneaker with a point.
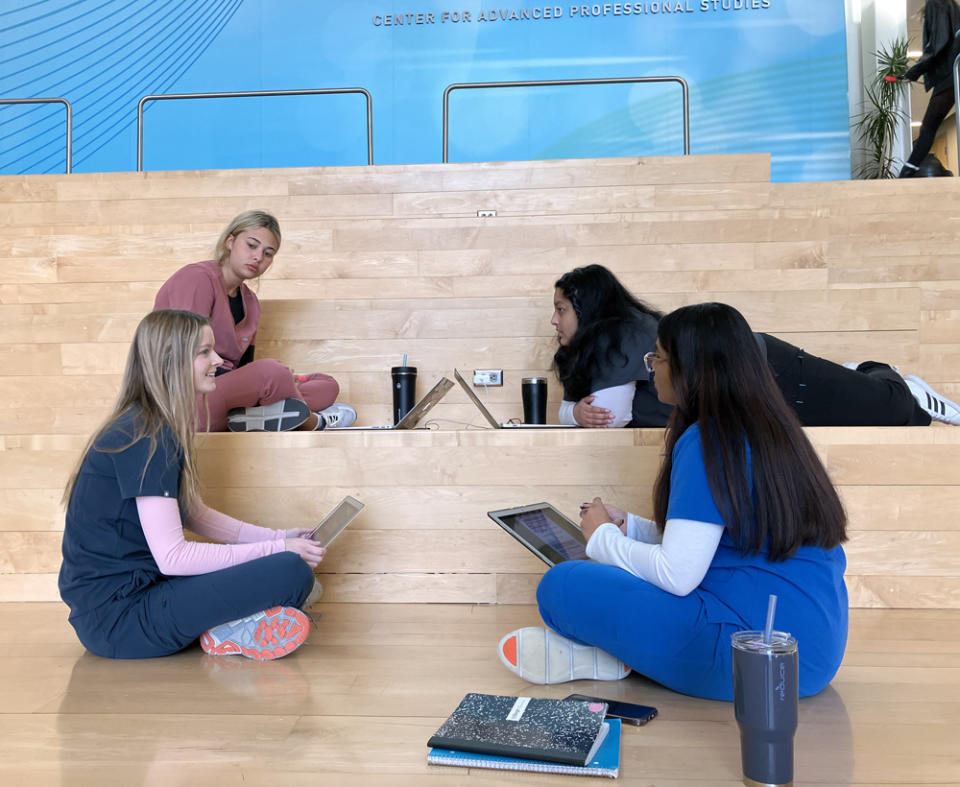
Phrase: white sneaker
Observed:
(939, 407)
(337, 416)
(539, 655)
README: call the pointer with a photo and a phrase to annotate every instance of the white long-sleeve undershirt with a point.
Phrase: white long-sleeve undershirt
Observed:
(617, 399)
(676, 563)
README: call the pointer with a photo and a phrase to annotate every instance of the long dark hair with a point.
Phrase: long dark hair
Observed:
(604, 309)
(722, 382)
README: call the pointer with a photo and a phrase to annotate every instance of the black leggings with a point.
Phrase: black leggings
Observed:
(825, 393)
(937, 110)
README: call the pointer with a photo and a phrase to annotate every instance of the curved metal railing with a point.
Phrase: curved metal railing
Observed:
(564, 82)
(56, 100)
(251, 94)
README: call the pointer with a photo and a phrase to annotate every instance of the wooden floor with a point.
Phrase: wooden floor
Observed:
(356, 704)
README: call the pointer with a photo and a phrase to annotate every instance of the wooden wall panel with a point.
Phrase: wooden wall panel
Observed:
(378, 262)
(425, 533)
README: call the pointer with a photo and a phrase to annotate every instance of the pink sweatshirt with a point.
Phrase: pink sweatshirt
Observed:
(199, 288)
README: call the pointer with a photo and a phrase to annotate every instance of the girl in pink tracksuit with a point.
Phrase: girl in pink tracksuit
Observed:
(251, 395)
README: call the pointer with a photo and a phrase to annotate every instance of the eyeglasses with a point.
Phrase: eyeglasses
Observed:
(650, 358)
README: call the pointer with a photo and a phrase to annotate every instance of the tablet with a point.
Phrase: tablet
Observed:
(335, 522)
(543, 530)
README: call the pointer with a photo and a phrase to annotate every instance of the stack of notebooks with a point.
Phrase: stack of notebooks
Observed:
(526, 734)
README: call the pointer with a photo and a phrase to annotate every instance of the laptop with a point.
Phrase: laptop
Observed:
(489, 416)
(543, 530)
(415, 413)
(334, 523)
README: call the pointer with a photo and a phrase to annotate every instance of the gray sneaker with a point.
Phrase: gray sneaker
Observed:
(939, 407)
(279, 416)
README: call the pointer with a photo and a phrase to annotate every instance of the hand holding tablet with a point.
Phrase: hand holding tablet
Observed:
(543, 530)
(336, 521)
(594, 515)
(616, 515)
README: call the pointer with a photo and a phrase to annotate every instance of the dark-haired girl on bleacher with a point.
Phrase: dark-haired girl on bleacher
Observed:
(603, 332)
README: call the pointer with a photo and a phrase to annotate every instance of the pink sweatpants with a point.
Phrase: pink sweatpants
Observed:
(264, 381)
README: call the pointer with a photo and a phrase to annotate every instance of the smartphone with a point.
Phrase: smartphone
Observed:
(335, 522)
(637, 715)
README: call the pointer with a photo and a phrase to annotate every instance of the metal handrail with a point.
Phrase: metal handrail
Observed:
(255, 93)
(57, 100)
(564, 82)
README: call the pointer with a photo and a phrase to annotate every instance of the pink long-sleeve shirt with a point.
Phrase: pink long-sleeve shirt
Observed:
(200, 288)
(175, 556)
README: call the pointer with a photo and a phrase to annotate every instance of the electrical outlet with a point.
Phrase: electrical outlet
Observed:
(488, 377)
(486, 214)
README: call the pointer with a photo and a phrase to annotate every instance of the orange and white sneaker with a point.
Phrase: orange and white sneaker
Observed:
(270, 634)
(539, 655)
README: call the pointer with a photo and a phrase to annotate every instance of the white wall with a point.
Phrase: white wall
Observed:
(872, 24)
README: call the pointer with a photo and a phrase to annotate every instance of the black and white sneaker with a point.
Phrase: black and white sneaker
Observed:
(939, 407)
(279, 416)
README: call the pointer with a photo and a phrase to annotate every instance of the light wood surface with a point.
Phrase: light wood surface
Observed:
(378, 262)
(357, 703)
(425, 534)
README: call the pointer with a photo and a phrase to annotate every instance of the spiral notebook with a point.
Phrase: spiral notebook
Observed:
(606, 761)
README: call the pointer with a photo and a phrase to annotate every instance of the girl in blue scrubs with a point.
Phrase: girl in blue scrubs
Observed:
(742, 508)
(135, 587)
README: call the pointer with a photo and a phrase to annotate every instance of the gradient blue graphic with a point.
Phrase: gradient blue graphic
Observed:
(764, 76)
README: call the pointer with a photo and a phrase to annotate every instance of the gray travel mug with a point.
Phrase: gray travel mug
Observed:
(533, 391)
(765, 703)
(404, 390)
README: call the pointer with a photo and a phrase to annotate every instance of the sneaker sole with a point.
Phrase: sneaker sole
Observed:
(270, 634)
(935, 397)
(539, 655)
(279, 416)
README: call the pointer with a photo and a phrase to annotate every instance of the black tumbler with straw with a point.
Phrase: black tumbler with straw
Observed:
(404, 379)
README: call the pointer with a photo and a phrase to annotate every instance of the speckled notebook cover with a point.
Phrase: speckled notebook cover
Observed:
(539, 729)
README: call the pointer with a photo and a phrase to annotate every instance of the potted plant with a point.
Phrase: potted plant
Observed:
(877, 126)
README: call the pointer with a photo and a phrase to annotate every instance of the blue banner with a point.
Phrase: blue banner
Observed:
(763, 76)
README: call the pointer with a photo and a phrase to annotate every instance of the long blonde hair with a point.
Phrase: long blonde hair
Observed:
(246, 221)
(158, 385)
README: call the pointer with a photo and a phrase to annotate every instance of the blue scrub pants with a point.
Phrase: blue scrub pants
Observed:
(677, 640)
(171, 614)
(662, 636)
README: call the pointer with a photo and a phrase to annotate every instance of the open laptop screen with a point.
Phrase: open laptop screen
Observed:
(543, 530)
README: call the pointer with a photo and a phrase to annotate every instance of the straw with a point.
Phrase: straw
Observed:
(404, 359)
(771, 611)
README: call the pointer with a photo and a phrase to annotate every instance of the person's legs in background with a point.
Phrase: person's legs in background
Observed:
(825, 393)
(938, 108)
(320, 392)
(263, 381)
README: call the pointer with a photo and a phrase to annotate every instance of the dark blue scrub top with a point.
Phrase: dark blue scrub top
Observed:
(105, 554)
